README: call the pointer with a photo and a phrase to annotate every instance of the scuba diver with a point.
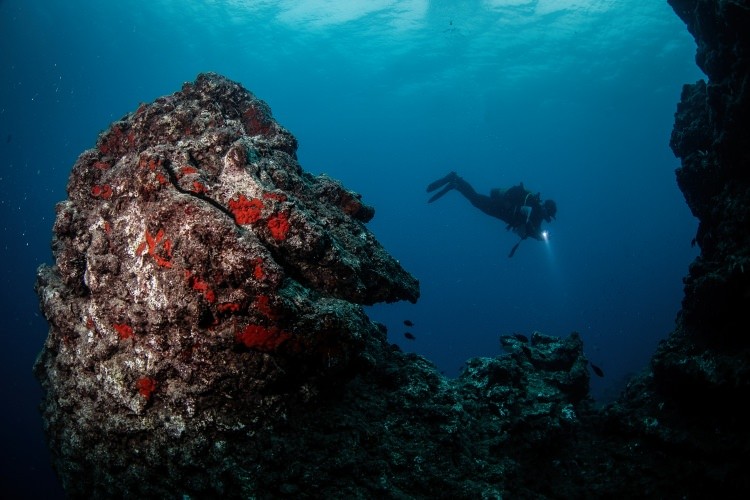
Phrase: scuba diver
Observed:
(521, 210)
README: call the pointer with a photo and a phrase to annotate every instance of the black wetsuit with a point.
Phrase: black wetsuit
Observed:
(521, 210)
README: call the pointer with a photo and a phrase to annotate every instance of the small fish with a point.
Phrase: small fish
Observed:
(599, 372)
(408, 322)
(409, 336)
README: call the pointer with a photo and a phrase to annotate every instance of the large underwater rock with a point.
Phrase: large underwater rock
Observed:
(203, 284)
(207, 337)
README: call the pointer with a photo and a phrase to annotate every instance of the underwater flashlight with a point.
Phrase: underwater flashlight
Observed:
(545, 235)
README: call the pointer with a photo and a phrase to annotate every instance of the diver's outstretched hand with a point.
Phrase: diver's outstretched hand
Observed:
(447, 183)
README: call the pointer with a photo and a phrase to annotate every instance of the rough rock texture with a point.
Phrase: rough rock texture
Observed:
(203, 284)
(401, 430)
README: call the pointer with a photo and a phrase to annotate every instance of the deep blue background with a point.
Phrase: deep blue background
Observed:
(573, 97)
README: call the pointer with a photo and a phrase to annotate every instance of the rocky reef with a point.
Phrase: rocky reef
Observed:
(690, 405)
(207, 337)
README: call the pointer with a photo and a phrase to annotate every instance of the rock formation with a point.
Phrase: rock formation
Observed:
(711, 138)
(690, 406)
(203, 283)
(207, 337)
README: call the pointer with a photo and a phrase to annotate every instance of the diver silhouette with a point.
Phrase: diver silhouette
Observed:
(522, 211)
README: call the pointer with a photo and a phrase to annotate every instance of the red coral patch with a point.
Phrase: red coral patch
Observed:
(256, 121)
(245, 211)
(258, 272)
(146, 386)
(279, 226)
(202, 286)
(153, 242)
(228, 307)
(123, 330)
(152, 163)
(104, 191)
(263, 306)
(261, 338)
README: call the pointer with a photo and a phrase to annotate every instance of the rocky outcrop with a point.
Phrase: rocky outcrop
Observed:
(207, 338)
(705, 363)
(203, 285)
(690, 407)
(399, 429)
(712, 125)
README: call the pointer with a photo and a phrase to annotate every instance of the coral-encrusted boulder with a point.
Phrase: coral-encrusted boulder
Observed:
(203, 285)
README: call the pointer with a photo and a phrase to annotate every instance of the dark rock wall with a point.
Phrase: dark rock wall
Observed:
(712, 138)
(708, 355)
(688, 413)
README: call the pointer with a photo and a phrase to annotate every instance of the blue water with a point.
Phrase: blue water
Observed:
(573, 97)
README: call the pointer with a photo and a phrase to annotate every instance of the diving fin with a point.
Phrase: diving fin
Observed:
(440, 193)
(440, 182)
(513, 250)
